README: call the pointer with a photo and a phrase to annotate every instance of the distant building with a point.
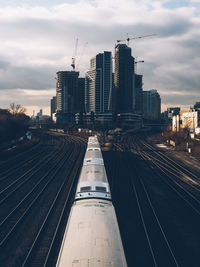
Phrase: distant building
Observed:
(66, 91)
(98, 84)
(151, 105)
(123, 93)
(172, 111)
(53, 106)
(190, 119)
(39, 114)
(138, 92)
(176, 123)
(197, 105)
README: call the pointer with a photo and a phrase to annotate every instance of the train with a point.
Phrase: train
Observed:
(92, 237)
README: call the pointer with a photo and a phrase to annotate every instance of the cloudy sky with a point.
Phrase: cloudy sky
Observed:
(37, 39)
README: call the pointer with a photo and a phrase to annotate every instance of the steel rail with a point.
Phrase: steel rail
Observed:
(144, 224)
(27, 195)
(174, 172)
(64, 185)
(61, 163)
(166, 158)
(179, 186)
(39, 163)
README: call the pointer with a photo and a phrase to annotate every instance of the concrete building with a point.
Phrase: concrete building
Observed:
(66, 91)
(176, 123)
(188, 119)
(123, 93)
(98, 84)
(151, 105)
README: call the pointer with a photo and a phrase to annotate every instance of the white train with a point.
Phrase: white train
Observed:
(92, 237)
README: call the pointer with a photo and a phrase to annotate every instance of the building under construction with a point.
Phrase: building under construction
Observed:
(66, 93)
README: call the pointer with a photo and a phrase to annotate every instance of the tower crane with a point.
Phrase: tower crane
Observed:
(136, 62)
(82, 52)
(128, 39)
(74, 56)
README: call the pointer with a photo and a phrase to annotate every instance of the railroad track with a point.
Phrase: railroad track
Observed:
(21, 160)
(157, 205)
(40, 204)
(162, 254)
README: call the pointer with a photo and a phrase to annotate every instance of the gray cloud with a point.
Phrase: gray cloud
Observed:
(186, 99)
(38, 43)
(4, 65)
(26, 77)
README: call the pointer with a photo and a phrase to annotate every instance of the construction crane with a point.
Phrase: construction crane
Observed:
(128, 39)
(82, 52)
(136, 62)
(74, 56)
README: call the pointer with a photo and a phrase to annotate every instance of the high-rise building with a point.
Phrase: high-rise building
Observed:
(123, 93)
(53, 105)
(138, 108)
(66, 91)
(80, 96)
(151, 105)
(98, 84)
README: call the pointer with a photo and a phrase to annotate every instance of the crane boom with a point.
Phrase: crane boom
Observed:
(74, 56)
(82, 53)
(133, 38)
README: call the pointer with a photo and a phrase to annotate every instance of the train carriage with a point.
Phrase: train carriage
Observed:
(92, 236)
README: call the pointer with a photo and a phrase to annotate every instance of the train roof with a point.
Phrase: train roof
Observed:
(93, 153)
(93, 173)
(92, 236)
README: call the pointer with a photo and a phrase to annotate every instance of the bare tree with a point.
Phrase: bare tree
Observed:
(16, 109)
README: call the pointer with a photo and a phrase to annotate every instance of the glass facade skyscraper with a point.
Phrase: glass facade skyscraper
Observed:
(123, 91)
(98, 83)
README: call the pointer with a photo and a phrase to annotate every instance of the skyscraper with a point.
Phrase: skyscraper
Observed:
(98, 83)
(66, 91)
(151, 104)
(80, 96)
(138, 107)
(123, 93)
(53, 105)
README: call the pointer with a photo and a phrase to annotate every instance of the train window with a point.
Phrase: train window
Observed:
(100, 188)
(88, 160)
(86, 188)
(90, 149)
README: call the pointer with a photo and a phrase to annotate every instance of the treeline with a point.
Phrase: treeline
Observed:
(13, 123)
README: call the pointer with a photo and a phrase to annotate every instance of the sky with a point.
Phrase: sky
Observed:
(38, 39)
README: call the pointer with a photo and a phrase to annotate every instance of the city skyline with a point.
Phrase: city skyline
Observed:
(38, 39)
